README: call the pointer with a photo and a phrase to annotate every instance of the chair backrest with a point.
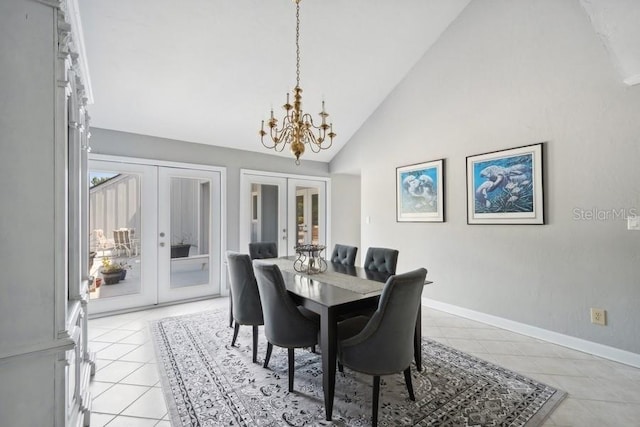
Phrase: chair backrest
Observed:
(343, 254)
(121, 237)
(125, 236)
(383, 260)
(262, 250)
(247, 309)
(389, 332)
(117, 237)
(284, 325)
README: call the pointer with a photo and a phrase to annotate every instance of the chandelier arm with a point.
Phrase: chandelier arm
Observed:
(269, 146)
(327, 146)
(277, 137)
(286, 137)
(312, 142)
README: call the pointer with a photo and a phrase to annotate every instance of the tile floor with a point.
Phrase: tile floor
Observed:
(126, 389)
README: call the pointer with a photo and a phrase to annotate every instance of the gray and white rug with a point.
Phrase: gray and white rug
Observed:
(209, 383)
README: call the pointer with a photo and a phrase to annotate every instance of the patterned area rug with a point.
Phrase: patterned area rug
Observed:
(209, 383)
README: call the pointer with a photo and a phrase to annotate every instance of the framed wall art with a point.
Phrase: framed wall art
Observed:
(420, 192)
(505, 187)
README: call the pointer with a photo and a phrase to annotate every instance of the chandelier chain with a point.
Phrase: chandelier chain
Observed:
(298, 43)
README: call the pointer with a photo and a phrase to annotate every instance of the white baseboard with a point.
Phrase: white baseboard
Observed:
(600, 350)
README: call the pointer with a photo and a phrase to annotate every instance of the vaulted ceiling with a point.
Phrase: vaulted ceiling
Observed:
(208, 71)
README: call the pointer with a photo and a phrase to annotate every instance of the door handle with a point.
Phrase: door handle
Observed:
(162, 244)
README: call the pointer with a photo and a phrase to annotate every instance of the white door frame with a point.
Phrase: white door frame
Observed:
(248, 176)
(223, 289)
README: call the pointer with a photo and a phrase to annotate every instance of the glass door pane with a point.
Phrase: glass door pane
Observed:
(309, 206)
(189, 220)
(263, 215)
(119, 197)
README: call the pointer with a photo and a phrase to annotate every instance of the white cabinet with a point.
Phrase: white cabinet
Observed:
(45, 365)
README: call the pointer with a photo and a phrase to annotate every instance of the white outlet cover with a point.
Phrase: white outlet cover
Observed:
(633, 223)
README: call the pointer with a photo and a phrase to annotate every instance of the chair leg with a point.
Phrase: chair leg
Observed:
(340, 367)
(230, 310)
(291, 368)
(235, 334)
(407, 380)
(268, 356)
(374, 404)
(255, 343)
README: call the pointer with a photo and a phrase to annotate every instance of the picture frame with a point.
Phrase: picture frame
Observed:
(420, 192)
(506, 186)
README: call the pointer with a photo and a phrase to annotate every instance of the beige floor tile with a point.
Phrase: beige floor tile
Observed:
(124, 421)
(145, 375)
(572, 412)
(452, 332)
(117, 398)
(503, 347)
(100, 420)
(617, 414)
(97, 346)
(94, 332)
(149, 405)
(116, 351)
(585, 388)
(431, 331)
(517, 363)
(113, 336)
(138, 337)
(98, 387)
(555, 366)
(116, 371)
(467, 345)
(144, 353)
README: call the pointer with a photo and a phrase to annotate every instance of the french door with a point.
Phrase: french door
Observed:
(288, 210)
(162, 224)
(189, 234)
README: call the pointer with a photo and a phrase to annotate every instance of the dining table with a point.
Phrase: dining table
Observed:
(335, 293)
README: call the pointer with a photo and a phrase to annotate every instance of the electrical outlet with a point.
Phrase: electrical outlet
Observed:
(598, 316)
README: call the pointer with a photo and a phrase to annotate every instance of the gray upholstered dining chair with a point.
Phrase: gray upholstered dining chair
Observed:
(388, 334)
(246, 306)
(343, 254)
(383, 260)
(285, 324)
(257, 250)
(262, 250)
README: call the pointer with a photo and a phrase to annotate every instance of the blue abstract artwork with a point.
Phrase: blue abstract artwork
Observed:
(420, 192)
(504, 185)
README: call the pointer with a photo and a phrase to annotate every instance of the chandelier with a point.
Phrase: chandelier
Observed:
(297, 128)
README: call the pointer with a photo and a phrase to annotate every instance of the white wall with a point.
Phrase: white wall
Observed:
(505, 74)
(345, 204)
